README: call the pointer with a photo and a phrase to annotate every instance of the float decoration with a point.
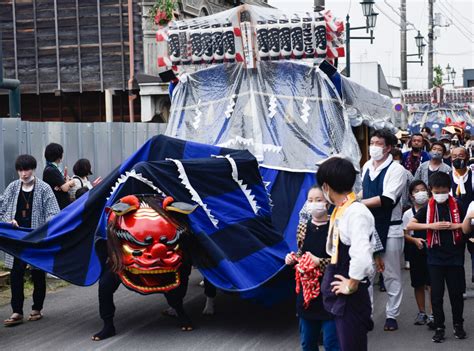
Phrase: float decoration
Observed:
(251, 33)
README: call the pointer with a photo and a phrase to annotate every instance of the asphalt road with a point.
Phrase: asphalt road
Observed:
(71, 318)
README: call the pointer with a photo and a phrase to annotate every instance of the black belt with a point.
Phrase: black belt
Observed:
(396, 222)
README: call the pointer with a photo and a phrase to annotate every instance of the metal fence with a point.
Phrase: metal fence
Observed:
(106, 145)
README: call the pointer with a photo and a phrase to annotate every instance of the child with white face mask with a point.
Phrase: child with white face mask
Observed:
(415, 253)
(446, 243)
(311, 239)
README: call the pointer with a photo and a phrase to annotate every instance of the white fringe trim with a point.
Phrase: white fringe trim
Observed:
(138, 176)
(194, 195)
(244, 187)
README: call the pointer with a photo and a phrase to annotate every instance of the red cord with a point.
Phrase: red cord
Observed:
(307, 277)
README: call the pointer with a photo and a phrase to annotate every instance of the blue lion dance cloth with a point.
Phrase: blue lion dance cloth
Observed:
(238, 248)
(242, 241)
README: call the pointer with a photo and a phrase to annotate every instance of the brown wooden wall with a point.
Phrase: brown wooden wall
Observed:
(92, 48)
(88, 106)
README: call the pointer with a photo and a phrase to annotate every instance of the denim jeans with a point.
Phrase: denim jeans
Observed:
(309, 334)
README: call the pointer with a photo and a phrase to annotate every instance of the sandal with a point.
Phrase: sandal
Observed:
(15, 319)
(35, 316)
(390, 324)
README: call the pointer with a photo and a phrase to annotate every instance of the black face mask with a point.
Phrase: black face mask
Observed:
(459, 164)
(415, 149)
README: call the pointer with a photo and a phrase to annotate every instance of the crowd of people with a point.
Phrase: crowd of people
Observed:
(415, 205)
(30, 202)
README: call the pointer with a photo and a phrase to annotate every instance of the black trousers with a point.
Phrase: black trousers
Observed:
(455, 280)
(209, 289)
(110, 281)
(17, 285)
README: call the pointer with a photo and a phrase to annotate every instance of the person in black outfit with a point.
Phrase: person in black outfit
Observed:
(109, 283)
(442, 220)
(110, 256)
(311, 238)
(415, 252)
(54, 176)
(461, 178)
(29, 203)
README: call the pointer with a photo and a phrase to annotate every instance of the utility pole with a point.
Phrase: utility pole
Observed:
(403, 45)
(319, 5)
(430, 43)
(348, 47)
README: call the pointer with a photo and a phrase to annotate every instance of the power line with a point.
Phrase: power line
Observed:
(454, 54)
(388, 16)
(395, 22)
(461, 15)
(399, 15)
(452, 16)
(420, 22)
(467, 36)
(416, 78)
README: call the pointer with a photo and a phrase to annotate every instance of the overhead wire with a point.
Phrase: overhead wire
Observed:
(467, 36)
(399, 15)
(461, 15)
(397, 23)
(451, 16)
(388, 16)
(454, 53)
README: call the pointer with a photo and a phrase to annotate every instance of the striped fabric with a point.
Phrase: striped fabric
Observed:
(232, 228)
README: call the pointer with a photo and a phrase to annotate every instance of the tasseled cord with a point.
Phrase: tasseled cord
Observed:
(307, 277)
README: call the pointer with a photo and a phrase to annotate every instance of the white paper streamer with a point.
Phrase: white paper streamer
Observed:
(272, 106)
(306, 108)
(230, 108)
(197, 116)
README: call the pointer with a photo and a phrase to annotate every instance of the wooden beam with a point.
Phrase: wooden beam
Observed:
(122, 58)
(56, 30)
(35, 28)
(99, 30)
(78, 36)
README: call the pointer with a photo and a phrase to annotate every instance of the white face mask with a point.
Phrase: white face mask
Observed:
(317, 209)
(440, 198)
(421, 197)
(29, 180)
(397, 161)
(376, 152)
(326, 196)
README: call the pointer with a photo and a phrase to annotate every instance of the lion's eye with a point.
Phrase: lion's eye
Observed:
(131, 251)
(164, 239)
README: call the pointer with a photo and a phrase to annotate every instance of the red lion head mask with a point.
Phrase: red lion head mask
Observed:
(144, 242)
